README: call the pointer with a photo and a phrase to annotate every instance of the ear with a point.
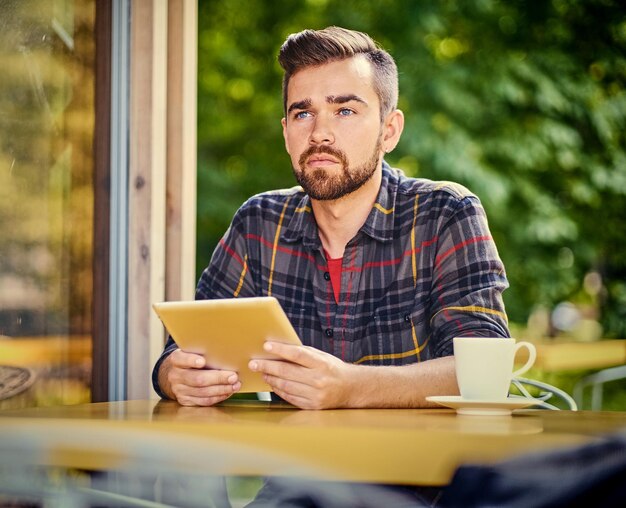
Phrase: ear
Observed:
(284, 124)
(392, 129)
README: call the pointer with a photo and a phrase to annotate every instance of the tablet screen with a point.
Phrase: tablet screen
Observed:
(229, 332)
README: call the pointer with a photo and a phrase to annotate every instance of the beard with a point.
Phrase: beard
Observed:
(319, 184)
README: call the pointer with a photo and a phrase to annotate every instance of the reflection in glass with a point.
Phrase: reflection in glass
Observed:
(46, 196)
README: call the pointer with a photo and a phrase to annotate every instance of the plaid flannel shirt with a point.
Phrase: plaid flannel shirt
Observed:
(420, 271)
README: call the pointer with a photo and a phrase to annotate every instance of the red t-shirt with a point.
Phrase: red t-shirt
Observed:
(334, 269)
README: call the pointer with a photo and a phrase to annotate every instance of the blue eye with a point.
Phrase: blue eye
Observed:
(345, 112)
(301, 114)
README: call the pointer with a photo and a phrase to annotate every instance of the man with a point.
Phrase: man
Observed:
(376, 271)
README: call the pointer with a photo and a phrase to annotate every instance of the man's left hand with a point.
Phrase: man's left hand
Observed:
(305, 377)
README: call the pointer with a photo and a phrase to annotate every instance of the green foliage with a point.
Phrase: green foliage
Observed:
(522, 101)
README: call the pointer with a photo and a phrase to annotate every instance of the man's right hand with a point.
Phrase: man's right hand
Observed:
(184, 378)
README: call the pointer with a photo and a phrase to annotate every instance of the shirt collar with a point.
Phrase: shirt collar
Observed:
(301, 225)
(379, 223)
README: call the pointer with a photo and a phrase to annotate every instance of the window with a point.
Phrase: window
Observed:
(47, 54)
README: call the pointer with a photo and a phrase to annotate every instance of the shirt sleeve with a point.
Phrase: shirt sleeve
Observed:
(227, 276)
(468, 279)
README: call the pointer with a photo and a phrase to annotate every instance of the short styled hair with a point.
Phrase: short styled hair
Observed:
(311, 48)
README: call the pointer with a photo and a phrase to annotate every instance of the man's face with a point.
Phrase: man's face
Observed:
(333, 128)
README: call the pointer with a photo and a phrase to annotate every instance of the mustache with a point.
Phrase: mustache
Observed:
(313, 150)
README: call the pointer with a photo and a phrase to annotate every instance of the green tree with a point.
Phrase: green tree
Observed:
(522, 101)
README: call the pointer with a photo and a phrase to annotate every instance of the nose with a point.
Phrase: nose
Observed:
(322, 133)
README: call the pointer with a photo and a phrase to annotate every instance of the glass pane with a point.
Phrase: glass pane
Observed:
(47, 53)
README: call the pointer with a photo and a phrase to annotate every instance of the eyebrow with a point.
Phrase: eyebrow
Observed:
(342, 99)
(330, 99)
(304, 104)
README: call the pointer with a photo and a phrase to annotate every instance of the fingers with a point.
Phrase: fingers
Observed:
(185, 360)
(298, 394)
(301, 395)
(204, 388)
(296, 400)
(303, 376)
(279, 369)
(297, 385)
(198, 378)
(192, 385)
(288, 380)
(302, 355)
(204, 399)
(297, 363)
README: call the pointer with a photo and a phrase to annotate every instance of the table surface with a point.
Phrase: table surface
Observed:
(404, 446)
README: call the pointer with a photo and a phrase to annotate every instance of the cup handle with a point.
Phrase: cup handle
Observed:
(532, 356)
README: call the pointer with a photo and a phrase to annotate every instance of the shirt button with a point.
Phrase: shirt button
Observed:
(407, 318)
(326, 275)
(329, 332)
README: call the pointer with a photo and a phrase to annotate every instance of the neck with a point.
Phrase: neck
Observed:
(339, 220)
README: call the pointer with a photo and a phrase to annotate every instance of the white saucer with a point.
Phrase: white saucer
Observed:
(482, 407)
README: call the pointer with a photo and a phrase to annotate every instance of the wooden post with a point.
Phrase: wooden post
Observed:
(147, 180)
(180, 278)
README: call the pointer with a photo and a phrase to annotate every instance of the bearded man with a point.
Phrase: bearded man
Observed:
(376, 271)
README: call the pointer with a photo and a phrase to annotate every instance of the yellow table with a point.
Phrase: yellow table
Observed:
(556, 355)
(421, 447)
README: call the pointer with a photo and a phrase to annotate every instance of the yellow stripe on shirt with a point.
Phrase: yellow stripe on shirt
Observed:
(413, 258)
(474, 308)
(392, 356)
(242, 276)
(380, 208)
(275, 246)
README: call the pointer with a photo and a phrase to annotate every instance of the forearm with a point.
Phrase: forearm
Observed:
(401, 386)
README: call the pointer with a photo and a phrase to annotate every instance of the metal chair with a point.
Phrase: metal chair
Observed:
(597, 381)
(547, 392)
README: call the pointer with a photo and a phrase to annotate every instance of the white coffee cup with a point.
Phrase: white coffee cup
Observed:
(484, 366)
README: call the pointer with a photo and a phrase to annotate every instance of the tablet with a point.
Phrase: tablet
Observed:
(229, 332)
